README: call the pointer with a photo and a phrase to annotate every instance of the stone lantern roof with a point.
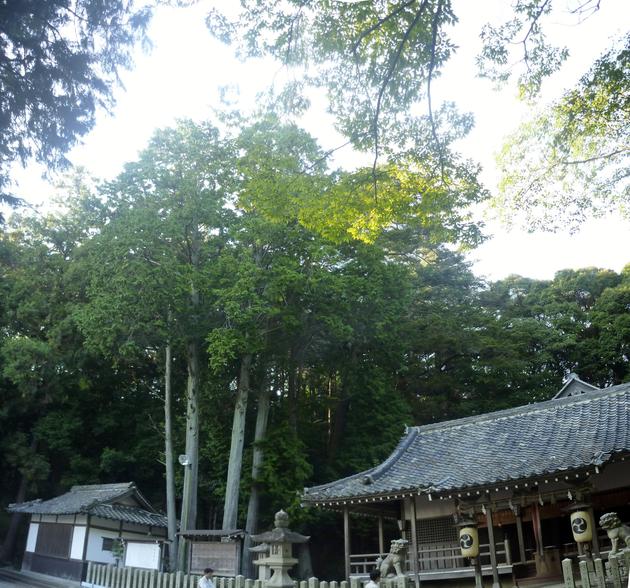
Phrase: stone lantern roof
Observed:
(280, 533)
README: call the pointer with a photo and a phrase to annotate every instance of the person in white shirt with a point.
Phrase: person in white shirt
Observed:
(375, 576)
(206, 580)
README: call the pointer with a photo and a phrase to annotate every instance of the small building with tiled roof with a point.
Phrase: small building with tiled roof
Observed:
(104, 523)
(515, 471)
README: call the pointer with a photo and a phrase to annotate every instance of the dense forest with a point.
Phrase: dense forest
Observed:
(309, 351)
(232, 297)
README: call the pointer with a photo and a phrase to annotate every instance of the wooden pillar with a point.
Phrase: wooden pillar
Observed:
(346, 540)
(413, 556)
(591, 512)
(381, 538)
(493, 549)
(537, 529)
(518, 513)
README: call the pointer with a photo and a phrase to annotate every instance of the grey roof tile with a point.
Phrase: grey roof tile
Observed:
(518, 443)
(96, 499)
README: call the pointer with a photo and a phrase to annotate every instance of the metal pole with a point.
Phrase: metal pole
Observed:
(478, 577)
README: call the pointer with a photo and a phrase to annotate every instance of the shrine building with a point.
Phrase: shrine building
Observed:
(517, 473)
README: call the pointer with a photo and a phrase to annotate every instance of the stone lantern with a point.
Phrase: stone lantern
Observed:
(280, 559)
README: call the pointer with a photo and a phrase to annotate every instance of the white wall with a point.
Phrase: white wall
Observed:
(95, 543)
(78, 540)
(142, 555)
(95, 546)
(31, 540)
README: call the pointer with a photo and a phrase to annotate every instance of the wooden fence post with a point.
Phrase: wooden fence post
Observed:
(344, 584)
(584, 575)
(249, 583)
(313, 583)
(354, 583)
(334, 584)
(567, 572)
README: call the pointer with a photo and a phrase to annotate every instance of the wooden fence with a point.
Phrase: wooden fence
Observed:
(108, 576)
(597, 573)
(434, 557)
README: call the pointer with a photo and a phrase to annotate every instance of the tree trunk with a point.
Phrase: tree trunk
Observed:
(188, 517)
(230, 511)
(171, 512)
(8, 546)
(251, 526)
(189, 498)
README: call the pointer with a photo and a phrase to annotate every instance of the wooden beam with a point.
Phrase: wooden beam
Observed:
(519, 535)
(346, 541)
(414, 540)
(493, 549)
(87, 537)
(595, 538)
(381, 537)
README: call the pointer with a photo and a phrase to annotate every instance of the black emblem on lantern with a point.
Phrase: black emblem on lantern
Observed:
(466, 541)
(579, 525)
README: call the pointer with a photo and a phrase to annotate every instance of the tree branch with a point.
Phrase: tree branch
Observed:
(386, 80)
(379, 23)
(434, 31)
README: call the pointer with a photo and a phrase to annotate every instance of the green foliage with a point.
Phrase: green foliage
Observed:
(374, 59)
(285, 179)
(571, 161)
(60, 63)
(524, 30)
(285, 470)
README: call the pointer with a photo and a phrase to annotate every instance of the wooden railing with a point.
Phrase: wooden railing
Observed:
(437, 556)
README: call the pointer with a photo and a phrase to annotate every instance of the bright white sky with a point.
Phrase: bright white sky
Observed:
(181, 77)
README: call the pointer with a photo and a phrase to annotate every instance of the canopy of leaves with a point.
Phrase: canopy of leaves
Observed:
(375, 59)
(572, 160)
(59, 61)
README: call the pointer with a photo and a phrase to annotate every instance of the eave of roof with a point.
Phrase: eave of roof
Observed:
(97, 500)
(431, 459)
(128, 514)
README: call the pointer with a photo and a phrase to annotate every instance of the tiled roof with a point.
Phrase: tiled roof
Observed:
(518, 443)
(96, 499)
(129, 514)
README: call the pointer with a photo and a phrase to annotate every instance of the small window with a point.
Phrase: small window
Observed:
(108, 544)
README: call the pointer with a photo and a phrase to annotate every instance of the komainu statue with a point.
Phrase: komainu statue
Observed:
(394, 558)
(615, 529)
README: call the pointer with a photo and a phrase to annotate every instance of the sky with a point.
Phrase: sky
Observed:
(181, 77)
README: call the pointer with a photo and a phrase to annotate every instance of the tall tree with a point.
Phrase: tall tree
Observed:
(165, 219)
